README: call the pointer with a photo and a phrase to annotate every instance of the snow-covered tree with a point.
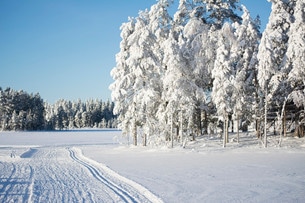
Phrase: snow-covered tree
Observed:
(220, 11)
(159, 26)
(248, 36)
(168, 69)
(181, 94)
(137, 88)
(295, 61)
(223, 74)
(196, 51)
(20, 110)
(272, 50)
(15, 121)
(122, 87)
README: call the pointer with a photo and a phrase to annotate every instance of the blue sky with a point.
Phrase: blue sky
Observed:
(66, 49)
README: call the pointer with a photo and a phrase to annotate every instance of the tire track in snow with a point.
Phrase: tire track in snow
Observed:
(129, 190)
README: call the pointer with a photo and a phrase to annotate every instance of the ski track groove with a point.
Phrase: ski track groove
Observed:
(51, 184)
(123, 194)
(29, 190)
(58, 181)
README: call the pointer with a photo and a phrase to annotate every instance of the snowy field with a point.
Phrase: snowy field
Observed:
(91, 166)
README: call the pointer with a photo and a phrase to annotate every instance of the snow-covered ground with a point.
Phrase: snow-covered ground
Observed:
(91, 166)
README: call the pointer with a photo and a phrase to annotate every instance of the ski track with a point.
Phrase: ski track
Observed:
(124, 195)
(58, 174)
(17, 186)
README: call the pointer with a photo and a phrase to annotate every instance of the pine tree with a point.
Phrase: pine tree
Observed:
(295, 63)
(198, 74)
(223, 74)
(139, 68)
(271, 53)
(159, 26)
(15, 121)
(248, 36)
(220, 11)
(122, 87)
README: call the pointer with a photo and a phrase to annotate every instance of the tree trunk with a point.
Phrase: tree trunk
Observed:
(232, 127)
(225, 131)
(181, 127)
(205, 123)
(134, 134)
(144, 140)
(172, 134)
(283, 120)
(265, 127)
(274, 128)
(258, 128)
(300, 131)
(199, 123)
(237, 129)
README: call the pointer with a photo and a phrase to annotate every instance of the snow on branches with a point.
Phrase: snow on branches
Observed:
(178, 76)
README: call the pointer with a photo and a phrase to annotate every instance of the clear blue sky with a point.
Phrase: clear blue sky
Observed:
(66, 49)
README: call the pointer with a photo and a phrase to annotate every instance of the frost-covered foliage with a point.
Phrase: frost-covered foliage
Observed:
(224, 71)
(137, 89)
(274, 46)
(281, 55)
(247, 38)
(207, 65)
(295, 61)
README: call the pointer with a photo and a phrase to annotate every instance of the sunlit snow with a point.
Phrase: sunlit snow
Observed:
(100, 166)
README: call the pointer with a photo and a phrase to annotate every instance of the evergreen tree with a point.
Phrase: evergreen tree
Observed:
(138, 69)
(220, 11)
(295, 65)
(223, 75)
(244, 92)
(295, 61)
(272, 50)
(122, 87)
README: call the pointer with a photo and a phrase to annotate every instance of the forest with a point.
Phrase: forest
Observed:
(209, 66)
(22, 111)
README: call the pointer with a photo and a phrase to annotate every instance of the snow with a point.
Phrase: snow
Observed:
(97, 166)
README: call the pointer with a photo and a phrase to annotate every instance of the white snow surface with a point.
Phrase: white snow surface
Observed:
(97, 166)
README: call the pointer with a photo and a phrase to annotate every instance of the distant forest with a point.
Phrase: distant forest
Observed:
(20, 110)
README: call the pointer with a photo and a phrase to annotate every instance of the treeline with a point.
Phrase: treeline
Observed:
(22, 111)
